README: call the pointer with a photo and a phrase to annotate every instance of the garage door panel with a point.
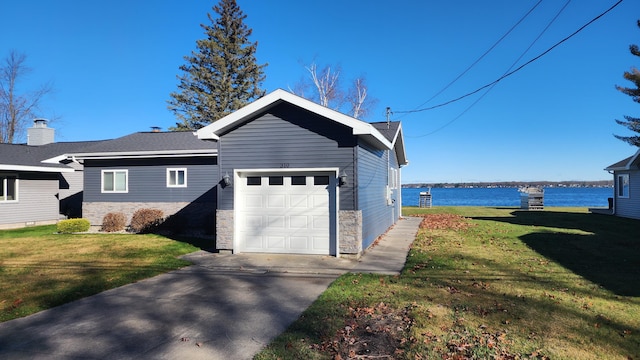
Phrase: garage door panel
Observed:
(276, 201)
(276, 222)
(299, 242)
(253, 223)
(299, 201)
(253, 201)
(254, 242)
(298, 222)
(276, 242)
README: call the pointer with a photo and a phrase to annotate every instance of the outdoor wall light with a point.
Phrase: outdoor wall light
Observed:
(342, 179)
(226, 179)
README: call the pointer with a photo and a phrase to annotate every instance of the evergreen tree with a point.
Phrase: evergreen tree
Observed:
(631, 123)
(222, 75)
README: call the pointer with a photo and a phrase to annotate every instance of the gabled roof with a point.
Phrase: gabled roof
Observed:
(148, 144)
(630, 163)
(359, 128)
(20, 157)
(392, 130)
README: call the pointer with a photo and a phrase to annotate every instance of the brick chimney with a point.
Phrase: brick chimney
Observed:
(40, 134)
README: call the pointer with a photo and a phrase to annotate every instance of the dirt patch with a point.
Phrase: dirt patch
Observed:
(445, 222)
(370, 333)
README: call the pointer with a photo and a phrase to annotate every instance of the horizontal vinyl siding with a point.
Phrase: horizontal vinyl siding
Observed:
(37, 200)
(629, 207)
(372, 181)
(303, 140)
(147, 180)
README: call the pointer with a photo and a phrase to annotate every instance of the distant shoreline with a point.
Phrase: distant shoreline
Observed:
(512, 184)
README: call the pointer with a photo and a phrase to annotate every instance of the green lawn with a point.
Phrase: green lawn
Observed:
(40, 269)
(487, 283)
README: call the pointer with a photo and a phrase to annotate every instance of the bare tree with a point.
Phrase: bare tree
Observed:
(328, 92)
(361, 104)
(327, 84)
(17, 109)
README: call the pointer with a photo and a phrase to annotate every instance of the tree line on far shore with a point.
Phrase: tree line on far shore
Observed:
(514, 184)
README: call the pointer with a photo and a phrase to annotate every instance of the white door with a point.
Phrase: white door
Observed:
(284, 213)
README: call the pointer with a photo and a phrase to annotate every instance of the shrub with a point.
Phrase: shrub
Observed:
(73, 226)
(114, 222)
(146, 220)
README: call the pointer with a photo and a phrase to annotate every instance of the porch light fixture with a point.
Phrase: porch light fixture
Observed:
(342, 179)
(226, 179)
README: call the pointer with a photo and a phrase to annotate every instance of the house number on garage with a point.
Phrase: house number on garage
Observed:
(284, 165)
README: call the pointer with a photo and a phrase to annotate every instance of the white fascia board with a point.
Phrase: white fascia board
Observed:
(358, 127)
(399, 144)
(144, 154)
(35, 168)
(55, 160)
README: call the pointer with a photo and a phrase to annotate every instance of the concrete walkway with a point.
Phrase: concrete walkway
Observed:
(222, 307)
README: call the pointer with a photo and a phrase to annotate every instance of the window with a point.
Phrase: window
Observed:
(298, 180)
(623, 185)
(254, 180)
(176, 177)
(276, 180)
(8, 188)
(115, 181)
(320, 180)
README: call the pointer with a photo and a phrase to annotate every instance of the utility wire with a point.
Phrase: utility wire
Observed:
(506, 72)
(482, 56)
(514, 71)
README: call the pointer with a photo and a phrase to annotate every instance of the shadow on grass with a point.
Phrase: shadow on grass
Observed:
(609, 254)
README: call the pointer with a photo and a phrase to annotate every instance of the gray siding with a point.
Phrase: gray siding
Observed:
(37, 201)
(373, 171)
(147, 180)
(628, 207)
(287, 136)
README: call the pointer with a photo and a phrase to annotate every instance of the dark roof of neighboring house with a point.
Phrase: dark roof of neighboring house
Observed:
(151, 141)
(630, 163)
(19, 156)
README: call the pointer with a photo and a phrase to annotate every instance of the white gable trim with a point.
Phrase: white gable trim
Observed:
(274, 98)
(634, 159)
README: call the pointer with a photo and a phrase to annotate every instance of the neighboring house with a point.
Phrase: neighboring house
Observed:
(626, 176)
(171, 171)
(298, 177)
(35, 189)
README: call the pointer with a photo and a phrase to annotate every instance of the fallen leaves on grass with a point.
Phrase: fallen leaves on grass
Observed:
(445, 222)
(370, 332)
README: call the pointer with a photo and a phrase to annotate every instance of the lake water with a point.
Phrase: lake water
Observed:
(553, 196)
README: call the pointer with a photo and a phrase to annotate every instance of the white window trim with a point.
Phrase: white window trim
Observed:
(619, 188)
(126, 182)
(169, 170)
(3, 183)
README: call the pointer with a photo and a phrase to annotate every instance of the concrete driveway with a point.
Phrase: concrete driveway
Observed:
(223, 307)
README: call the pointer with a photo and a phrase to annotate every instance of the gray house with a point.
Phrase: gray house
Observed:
(626, 176)
(36, 187)
(297, 177)
(171, 171)
(281, 175)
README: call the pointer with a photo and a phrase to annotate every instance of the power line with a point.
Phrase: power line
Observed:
(507, 71)
(483, 55)
(516, 70)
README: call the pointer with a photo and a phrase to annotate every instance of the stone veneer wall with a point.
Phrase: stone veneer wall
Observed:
(350, 224)
(195, 212)
(224, 229)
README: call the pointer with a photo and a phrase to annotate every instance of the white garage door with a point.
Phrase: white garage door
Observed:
(284, 213)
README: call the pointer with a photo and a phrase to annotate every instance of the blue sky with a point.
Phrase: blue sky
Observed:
(113, 65)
